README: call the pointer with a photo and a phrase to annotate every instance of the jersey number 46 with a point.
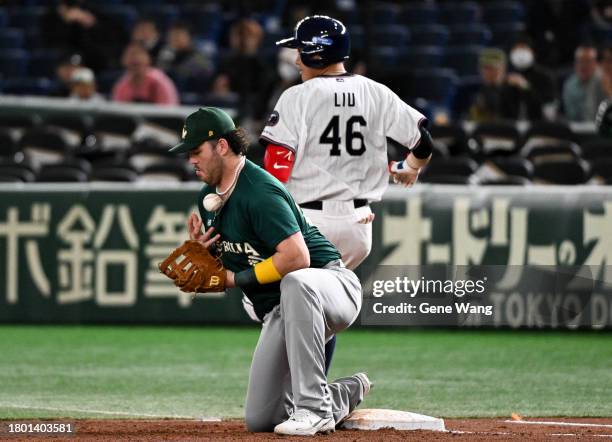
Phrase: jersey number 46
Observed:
(331, 135)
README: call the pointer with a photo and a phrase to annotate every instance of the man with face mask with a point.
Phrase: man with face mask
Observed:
(526, 73)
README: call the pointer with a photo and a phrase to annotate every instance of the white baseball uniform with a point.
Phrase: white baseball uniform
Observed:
(337, 127)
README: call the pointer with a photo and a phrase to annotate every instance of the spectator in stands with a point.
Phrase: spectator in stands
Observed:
(528, 74)
(76, 26)
(288, 74)
(145, 32)
(182, 59)
(63, 72)
(502, 96)
(583, 91)
(221, 93)
(83, 86)
(250, 74)
(142, 83)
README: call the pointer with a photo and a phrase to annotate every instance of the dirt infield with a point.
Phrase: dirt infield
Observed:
(464, 429)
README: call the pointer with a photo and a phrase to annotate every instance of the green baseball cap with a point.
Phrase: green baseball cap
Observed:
(206, 123)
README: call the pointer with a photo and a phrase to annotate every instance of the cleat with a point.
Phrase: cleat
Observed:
(305, 423)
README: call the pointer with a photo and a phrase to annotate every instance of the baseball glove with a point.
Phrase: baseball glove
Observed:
(193, 269)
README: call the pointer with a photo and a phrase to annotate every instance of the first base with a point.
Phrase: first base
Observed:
(375, 419)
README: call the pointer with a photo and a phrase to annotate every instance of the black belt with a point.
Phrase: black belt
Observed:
(318, 205)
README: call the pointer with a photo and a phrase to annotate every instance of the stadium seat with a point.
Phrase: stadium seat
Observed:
(16, 171)
(451, 136)
(459, 180)
(453, 166)
(505, 11)
(44, 146)
(467, 88)
(206, 20)
(509, 180)
(163, 15)
(460, 13)
(14, 63)
(3, 18)
(58, 173)
(596, 149)
(562, 172)
(429, 35)
(174, 171)
(28, 86)
(504, 35)
(419, 14)
(174, 124)
(43, 62)
(147, 152)
(546, 132)
(11, 38)
(8, 144)
(435, 85)
(27, 17)
(420, 57)
(601, 170)
(496, 138)
(123, 15)
(107, 79)
(387, 56)
(113, 174)
(16, 121)
(392, 36)
(541, 153)
(463, 60)
(381, 13)
(475, 35)
(123, 125)
(513, 166)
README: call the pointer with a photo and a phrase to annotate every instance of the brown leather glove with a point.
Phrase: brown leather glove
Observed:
(194, 270)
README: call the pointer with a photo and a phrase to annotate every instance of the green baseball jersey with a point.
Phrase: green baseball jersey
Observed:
(259, 214)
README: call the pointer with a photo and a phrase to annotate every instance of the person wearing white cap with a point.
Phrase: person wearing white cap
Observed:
(83, 86)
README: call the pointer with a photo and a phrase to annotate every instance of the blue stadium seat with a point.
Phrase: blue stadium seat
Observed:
(506, 11)
(28, 86)
(467, 88)
(206, 21)
(11, 38)
(106, 80)
(357, 37)
(163, 15)
(384, 55)
(420, 57)
(382, 13)
(475, 34)
(27, 17)
(457, 13)
(3, 18)
(43, 62)
(431, 35)
(419, 14)
(14, 62)
(463, 60)
(504, 35)
(434, 85)
(123, 15)
(397, 36)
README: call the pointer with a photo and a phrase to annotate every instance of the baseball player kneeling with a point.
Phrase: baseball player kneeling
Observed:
(294, 277)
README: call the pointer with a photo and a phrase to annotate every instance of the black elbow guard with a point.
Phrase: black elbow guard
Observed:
(425, 146)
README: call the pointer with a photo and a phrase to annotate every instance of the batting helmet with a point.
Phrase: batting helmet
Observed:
(323, 40)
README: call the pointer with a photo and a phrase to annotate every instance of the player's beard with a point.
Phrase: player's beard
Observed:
(213, 170)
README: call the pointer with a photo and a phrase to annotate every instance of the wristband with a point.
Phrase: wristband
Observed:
(264, 272)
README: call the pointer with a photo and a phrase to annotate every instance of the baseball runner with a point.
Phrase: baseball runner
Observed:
(293, 276)
(327, 140)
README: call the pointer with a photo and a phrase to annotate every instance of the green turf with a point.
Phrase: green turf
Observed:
(203, 371)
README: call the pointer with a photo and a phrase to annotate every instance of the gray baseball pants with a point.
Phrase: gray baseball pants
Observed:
(288, 367)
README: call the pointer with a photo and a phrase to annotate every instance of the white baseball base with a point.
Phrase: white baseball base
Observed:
(375, 419)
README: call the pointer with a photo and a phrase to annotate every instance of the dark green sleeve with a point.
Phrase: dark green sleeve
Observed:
(271, 216)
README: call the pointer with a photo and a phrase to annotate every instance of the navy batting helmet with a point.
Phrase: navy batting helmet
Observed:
(323, 41)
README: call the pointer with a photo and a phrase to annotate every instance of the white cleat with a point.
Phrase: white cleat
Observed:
(365, 382)
(305, 423)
